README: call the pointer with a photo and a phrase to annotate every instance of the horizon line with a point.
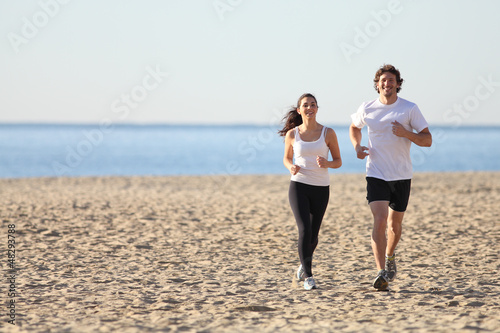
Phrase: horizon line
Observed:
(195, 124)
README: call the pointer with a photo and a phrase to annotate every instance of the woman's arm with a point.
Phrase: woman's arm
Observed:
(333, 145)
(288, 156)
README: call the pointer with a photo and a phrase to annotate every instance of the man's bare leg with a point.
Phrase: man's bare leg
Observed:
(394, 229)
(380, 211)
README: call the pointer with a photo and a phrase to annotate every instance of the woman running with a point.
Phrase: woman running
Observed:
(309, 142)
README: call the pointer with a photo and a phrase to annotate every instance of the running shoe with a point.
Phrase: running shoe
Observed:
(390, 267)
(381, 282)
(309, 283)
(301, 274)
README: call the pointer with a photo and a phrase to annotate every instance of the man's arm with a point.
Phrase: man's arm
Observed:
(355, 135)
(422, 138)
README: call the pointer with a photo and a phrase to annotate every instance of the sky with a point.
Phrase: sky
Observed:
(244, 62)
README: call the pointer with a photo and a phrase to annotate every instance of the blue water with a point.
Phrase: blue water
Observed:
(90, 150)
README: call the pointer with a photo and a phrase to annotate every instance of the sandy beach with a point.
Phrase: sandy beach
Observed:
(219, 253)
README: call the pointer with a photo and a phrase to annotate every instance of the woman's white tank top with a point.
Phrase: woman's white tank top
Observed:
(305, 154)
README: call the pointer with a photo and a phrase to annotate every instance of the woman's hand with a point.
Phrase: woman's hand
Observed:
(322, 162)
(294, 169)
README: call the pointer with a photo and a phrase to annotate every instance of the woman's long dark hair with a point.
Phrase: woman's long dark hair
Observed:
(292, 118)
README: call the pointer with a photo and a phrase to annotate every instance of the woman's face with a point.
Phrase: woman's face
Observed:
(308, 107)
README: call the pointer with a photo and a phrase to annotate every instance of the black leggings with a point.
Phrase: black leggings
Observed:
(308, 204)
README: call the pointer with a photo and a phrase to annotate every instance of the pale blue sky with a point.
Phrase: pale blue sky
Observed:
(242, 61)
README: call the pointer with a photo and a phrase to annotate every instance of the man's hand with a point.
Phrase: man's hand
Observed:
(398, 130)
(361, 152)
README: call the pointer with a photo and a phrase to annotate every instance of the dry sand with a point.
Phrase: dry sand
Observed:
(218, 254)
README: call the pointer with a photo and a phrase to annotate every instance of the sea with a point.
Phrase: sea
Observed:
(62, 150)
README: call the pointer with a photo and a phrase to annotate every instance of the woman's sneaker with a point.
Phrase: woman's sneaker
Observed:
(301, 274)
(309, 283)
(390, 267)
(381, 282)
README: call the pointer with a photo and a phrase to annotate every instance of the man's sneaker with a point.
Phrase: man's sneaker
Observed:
(390, 267)
(381, 282)
(309, 283)
(301, 274)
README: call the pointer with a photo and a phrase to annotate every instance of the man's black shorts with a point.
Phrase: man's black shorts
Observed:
(397, 192)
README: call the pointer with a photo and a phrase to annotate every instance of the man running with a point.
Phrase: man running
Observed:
(393, 124)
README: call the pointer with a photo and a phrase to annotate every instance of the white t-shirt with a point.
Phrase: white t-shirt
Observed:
(389, 155)
(305, 154)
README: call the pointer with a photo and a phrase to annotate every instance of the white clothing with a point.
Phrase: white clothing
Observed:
(389, 155)
(305, 154)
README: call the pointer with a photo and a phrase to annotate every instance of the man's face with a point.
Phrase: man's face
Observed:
(387, 84)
